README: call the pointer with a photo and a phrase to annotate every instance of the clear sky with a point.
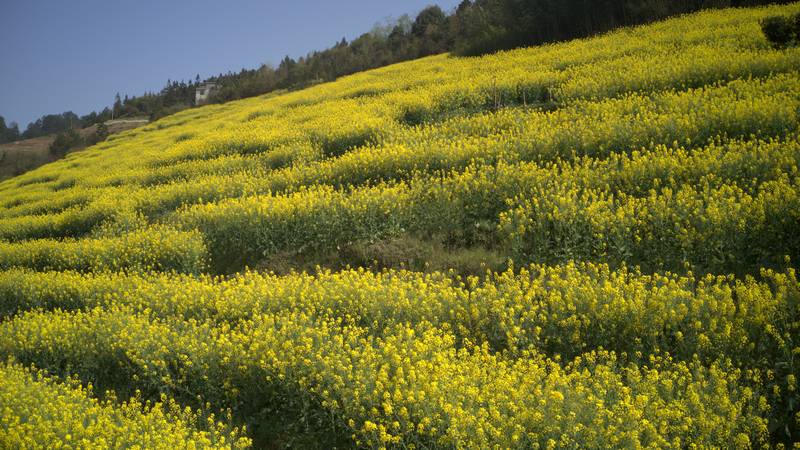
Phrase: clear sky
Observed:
(58, 55)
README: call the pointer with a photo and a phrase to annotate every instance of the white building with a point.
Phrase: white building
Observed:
(203, 91)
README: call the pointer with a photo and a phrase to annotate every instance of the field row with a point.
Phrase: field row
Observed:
(153, 248)
(740, 109)
(406, 387)
(558, 310)
(340, 343)
(527, 213)
(620, 209)
(559, 73)
(39, 412)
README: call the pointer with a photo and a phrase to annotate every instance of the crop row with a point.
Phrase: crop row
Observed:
(370, 105)
(38, 412)
(761, 108)
(154, 248)
(536, 215)
(691, 119)
(617, 208)
(404, 388)
(559, 310)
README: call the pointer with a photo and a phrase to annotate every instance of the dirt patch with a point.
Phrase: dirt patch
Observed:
(402, 252)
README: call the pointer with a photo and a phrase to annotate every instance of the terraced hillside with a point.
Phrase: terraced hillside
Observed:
(584, 244)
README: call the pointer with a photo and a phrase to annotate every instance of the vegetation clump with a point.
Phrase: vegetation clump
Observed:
(568, 245)
(782, 31)
(65, 142)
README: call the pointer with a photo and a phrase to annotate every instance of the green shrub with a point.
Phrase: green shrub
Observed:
(781, 31)
(100, 134)
(65, 141)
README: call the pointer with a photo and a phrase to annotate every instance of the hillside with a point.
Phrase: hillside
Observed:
(584, 244)
(21, 156)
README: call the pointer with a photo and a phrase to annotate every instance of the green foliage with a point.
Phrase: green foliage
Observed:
(486, 26)
(99, 135)
(782, 31)
(8, 133)
(39, 411)
(52, 124)
(65, 142)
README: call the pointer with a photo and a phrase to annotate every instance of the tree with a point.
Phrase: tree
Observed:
(100, 134)
(432, 16)
(483, 26)
(65, 141)
(116, 109)
(8, 133)
(13, 132)
(104, 115)
(781, 31)
(89, 119)
(52, 124)
(287, 71)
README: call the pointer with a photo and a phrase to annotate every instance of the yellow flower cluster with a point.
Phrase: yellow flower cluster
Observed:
(406, 387)
(717, 229)
(617, 210)
(643, 186)
(242, 327)
(153, 248)
(40, 413)
(599, 129)
(563, 310)
(370, 105)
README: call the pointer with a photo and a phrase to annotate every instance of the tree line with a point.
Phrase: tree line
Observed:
(485, 26)
(175, 96)
(474, 27)
(8, 133)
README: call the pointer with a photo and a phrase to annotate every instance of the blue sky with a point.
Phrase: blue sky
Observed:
(58, 55)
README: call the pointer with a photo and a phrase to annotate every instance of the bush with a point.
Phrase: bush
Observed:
(781, 31)
(795, 22)
(100, 134)
(168, 111)
(65, 141)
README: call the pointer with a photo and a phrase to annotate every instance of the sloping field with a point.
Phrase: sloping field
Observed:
(20, 156)
(587, 244)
